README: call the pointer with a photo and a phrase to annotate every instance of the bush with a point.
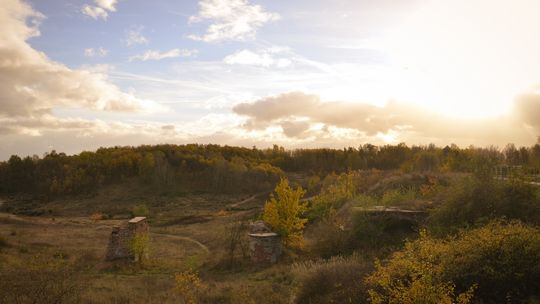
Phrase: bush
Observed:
(332, 239)
(497, 263)
(140, 248)
(337, 280)
(375, 231)
(473, 200)
(335, 191)
(189, 286)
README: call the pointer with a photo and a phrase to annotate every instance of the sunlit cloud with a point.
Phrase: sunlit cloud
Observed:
(272, 57)
(101, 9)
(297, 114)
(230, 19)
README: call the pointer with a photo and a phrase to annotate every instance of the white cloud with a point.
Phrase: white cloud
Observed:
(230, 20)
(101, 9)
(272, 57)
(134, 37)
(99, 52)
(32, 85)
(157, 55)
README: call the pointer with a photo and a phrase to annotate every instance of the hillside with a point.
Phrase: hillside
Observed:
(57, 214)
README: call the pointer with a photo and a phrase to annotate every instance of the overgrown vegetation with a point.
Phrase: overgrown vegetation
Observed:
(336, 280)
(472, 200)
(492, 264)
(390, 224)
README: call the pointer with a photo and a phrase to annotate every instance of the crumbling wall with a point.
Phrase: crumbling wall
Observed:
(264, 245)
(121, 239)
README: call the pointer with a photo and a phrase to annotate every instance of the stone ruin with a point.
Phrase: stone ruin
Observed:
(122, 237)
(264, 245)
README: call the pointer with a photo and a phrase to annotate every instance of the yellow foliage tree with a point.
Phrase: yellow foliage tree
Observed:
(140, 247)
(283, 213)
(190, 286)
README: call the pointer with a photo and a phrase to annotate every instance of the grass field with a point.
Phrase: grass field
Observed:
(188, 231)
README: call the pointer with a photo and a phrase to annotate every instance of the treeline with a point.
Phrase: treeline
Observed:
(414, 158)
(188, 167)
(217, 168)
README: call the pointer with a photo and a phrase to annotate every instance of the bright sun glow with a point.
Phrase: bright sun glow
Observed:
(466, 58)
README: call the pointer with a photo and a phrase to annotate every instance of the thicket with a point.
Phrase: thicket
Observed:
(473, 200)
(497, 263)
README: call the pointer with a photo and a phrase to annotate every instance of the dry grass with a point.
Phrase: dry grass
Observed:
(72, 234)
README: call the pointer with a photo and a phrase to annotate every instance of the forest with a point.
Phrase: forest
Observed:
(215, 168)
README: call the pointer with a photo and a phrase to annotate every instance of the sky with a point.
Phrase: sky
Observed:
(79, 74)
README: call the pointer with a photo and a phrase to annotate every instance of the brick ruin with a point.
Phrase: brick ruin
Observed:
(122, 237)
(264, 245)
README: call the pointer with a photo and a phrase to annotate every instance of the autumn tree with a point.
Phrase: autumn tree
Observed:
(283, 212)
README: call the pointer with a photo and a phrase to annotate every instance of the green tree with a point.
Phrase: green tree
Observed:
(283, 212)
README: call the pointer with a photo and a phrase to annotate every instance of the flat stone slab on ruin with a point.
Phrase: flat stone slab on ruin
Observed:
(264, 234)
(137, 219)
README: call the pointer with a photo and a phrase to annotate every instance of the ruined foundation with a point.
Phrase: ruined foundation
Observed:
(122, 238)
(264, 245)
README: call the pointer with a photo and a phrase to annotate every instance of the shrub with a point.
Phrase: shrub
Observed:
(140, 247)
(336, 191)
(189, 286)
(375, 231)
(473, 200)
(337, 280)
(332, 238)
(497, 263)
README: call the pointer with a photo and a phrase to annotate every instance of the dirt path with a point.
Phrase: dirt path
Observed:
(185, 238)
(247, 200)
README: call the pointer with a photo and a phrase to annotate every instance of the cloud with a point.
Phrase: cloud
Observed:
(134, 37)
(299, 115)
(32, 85)
(527, 108)
(157, 55)
(99, 52)
(231, 20)
(271, 57)
(101, 9)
